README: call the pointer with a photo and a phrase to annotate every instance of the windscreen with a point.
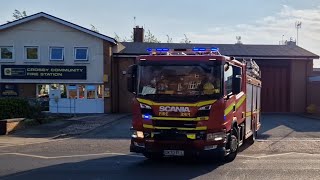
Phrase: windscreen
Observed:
(179, 80)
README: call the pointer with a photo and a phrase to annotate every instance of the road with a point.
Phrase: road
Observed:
(288, 148)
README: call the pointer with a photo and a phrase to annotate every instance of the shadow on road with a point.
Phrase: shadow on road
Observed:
(282, 126)
(120, 167)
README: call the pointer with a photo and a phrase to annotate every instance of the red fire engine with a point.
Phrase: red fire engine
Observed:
(193, 102)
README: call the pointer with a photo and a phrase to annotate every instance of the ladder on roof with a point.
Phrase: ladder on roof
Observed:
(253, 69)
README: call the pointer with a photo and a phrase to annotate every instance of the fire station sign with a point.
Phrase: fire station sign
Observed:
(43, 72)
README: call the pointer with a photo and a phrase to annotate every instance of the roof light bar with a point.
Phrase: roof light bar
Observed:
(158, 49)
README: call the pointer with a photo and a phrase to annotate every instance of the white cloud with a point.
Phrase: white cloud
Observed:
(270, 29)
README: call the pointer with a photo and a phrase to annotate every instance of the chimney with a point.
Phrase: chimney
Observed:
(138, 34)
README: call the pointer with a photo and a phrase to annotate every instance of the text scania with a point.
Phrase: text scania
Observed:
(174, 109)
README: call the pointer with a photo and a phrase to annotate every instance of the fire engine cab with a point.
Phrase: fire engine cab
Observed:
(193, 102)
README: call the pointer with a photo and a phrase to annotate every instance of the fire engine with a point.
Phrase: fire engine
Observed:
(193, 102)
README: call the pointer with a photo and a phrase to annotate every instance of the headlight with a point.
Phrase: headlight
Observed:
(144, 106)
(137, 134)
(216, 136)
(203, 108)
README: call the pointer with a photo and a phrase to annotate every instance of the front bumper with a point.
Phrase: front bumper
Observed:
(190, 148)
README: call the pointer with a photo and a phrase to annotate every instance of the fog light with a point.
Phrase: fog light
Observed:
(210, 147)
(216, 136)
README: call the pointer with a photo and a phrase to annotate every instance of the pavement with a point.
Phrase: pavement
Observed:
(56, 130)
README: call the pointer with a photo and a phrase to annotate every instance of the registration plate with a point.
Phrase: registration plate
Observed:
(173, 153)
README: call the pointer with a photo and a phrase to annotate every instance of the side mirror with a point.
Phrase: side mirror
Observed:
(237, 80)
(131, 78)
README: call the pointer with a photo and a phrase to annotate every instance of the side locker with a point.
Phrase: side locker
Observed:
(254, 105)
(248, 110)
(258, 105)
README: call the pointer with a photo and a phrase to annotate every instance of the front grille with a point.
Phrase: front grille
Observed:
(170, 136)
(169, 123)
(203, 113)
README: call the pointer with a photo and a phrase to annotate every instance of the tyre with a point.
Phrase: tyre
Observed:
(233, 146)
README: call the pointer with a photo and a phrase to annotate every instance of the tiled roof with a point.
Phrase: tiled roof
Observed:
(237, 50)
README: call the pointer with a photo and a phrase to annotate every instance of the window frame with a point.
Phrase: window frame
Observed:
(7, 60)
(26, 54)
(50, 53)
(75, 54)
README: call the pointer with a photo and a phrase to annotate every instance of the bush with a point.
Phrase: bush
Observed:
(19, 108)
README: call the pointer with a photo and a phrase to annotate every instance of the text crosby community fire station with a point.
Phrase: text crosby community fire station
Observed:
(193, 102)
(43, 72)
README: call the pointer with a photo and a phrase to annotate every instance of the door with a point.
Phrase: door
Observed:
(275, 89)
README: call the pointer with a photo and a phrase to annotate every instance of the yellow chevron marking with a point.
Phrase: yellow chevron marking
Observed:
(191, 136)
(198, 104)
(239, 103)
(229, 109)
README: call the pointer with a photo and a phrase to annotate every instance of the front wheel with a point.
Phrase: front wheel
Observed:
(233, 146)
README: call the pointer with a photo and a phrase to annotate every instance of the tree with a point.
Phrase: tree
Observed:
(169, 40)
(93, 28)
(185, 40)
(18, 14)
(149, 37)
(117, 37)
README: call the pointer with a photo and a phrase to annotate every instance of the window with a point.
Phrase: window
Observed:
(72, 91)
(32, 53)
(56, 53)
(6, 53)
(228, 77)
(91, 91)
(81, 54)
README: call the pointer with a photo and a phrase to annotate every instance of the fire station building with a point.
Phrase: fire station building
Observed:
(45, 57)
(285, 70)
(82, 71)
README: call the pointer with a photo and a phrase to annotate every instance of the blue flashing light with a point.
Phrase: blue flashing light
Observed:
(162, 49)
(149, 49)
(224, 118)
(146, 116)
(214, 49)
(199, 49)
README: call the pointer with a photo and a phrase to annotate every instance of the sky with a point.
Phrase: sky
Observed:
(205, 21)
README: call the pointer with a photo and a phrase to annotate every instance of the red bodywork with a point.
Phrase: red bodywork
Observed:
(223, 114)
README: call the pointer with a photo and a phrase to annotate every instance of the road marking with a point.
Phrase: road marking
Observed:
(289, 140)
(274, 155)
(136, 155)
(70, 156)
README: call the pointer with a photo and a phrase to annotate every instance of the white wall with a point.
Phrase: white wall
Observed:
(44, 33)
